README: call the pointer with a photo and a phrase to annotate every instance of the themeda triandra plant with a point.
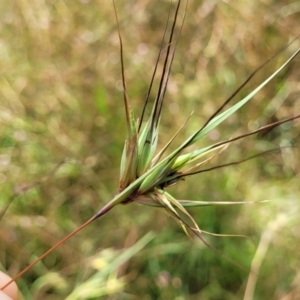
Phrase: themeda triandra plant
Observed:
(145, 172)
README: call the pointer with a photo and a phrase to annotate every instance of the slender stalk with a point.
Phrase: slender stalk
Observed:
(49, 251)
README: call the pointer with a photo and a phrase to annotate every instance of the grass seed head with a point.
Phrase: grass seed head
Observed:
(144, 176)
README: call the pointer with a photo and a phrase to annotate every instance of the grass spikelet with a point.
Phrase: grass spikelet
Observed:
(145, 171)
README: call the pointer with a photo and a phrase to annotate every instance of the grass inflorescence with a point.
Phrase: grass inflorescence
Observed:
(149, 166)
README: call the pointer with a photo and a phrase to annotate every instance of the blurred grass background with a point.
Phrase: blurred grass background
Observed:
(61, 100)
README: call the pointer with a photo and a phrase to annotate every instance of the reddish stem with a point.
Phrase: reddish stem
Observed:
(49, 251)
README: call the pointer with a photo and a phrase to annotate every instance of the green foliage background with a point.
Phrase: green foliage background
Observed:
(61, 100)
